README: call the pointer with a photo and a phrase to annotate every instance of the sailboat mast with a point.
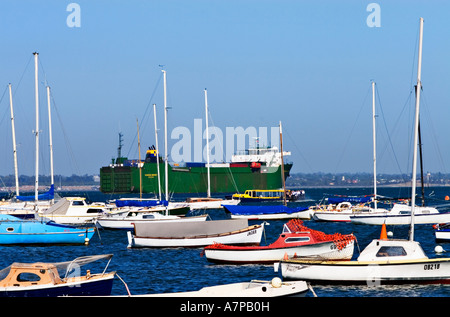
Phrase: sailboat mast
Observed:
(51, 137)
(157, 152)
(16, 172)
(36, 95)
(139, 163)
(416, 132)
(166, 167)
(374, 147)
(282, 166)
(207, 145)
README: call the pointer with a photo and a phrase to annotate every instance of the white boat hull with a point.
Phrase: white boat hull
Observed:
(248, 236)
(127, 223)
(212, 204)
(442, 235)
(332, 216)
(426, 271)
(254, 289)
(325, 250)
(401, 219)
(305, 215)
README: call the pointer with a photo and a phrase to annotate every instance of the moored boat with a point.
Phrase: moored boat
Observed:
(267, 195)
(296, 240)
(32, 231)
(254, 288)
(400, 214)
(267, 212)
(194, 234)
(44, 279)
(442, 231)
(125, 220)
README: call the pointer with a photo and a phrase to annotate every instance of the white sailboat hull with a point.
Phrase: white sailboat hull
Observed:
(127, 223)
(401, 219)
(213, 204)
(305, 215)
(247, 236)
(426, 271)
(326, 250)
(246, 289)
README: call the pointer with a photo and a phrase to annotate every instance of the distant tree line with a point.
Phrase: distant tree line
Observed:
(73, 180)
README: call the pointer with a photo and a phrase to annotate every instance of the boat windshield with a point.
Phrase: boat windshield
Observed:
(391, 251)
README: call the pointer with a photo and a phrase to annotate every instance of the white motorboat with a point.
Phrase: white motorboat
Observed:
(73, 210)
(255, 288)
(194, 234)
(126, 219)
(400, 214)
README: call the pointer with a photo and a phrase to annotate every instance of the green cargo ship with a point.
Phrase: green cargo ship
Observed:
(256, 168)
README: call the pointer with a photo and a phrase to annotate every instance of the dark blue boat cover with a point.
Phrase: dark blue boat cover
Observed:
(350, 199)
(140, 203)
(260, 210)
(49, 195)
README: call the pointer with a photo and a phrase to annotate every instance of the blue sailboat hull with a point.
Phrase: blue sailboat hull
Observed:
(21, 231)
(260, 210)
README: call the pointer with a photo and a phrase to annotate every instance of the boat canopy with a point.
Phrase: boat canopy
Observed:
(49, 195)
(140, 202)
(65, 269)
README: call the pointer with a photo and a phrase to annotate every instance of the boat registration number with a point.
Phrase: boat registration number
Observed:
(251, 232)
(433, 266)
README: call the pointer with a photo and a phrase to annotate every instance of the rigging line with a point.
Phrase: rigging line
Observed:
(387, 131)
(351, 131)
(295, 145)
(68, 146)
(132, 144)
(432, 130)
(23, 74)
(223, 153)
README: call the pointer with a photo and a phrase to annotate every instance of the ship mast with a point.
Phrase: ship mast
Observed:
(416, 132)
(157, 152)
(139, 163)
(207, 145)
(374, 147)
(16, 172)
(50, 139)
(282, 166)
(36, 94)
(166, 167)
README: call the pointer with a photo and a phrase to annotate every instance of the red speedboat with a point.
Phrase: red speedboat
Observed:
(296, 240)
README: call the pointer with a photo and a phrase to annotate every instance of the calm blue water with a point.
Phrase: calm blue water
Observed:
(173, 270)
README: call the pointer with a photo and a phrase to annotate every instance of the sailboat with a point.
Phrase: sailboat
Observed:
(266, 212)
(383, 261)
(208, 202)
(341, 208)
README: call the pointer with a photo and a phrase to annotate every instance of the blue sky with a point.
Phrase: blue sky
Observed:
(308, 64)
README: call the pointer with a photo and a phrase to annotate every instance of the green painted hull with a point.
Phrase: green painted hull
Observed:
(126, 179)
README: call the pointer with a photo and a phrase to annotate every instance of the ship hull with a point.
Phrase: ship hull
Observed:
(191, 179)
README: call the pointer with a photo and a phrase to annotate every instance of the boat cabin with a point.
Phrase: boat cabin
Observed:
(389, 250)
(28, 274)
